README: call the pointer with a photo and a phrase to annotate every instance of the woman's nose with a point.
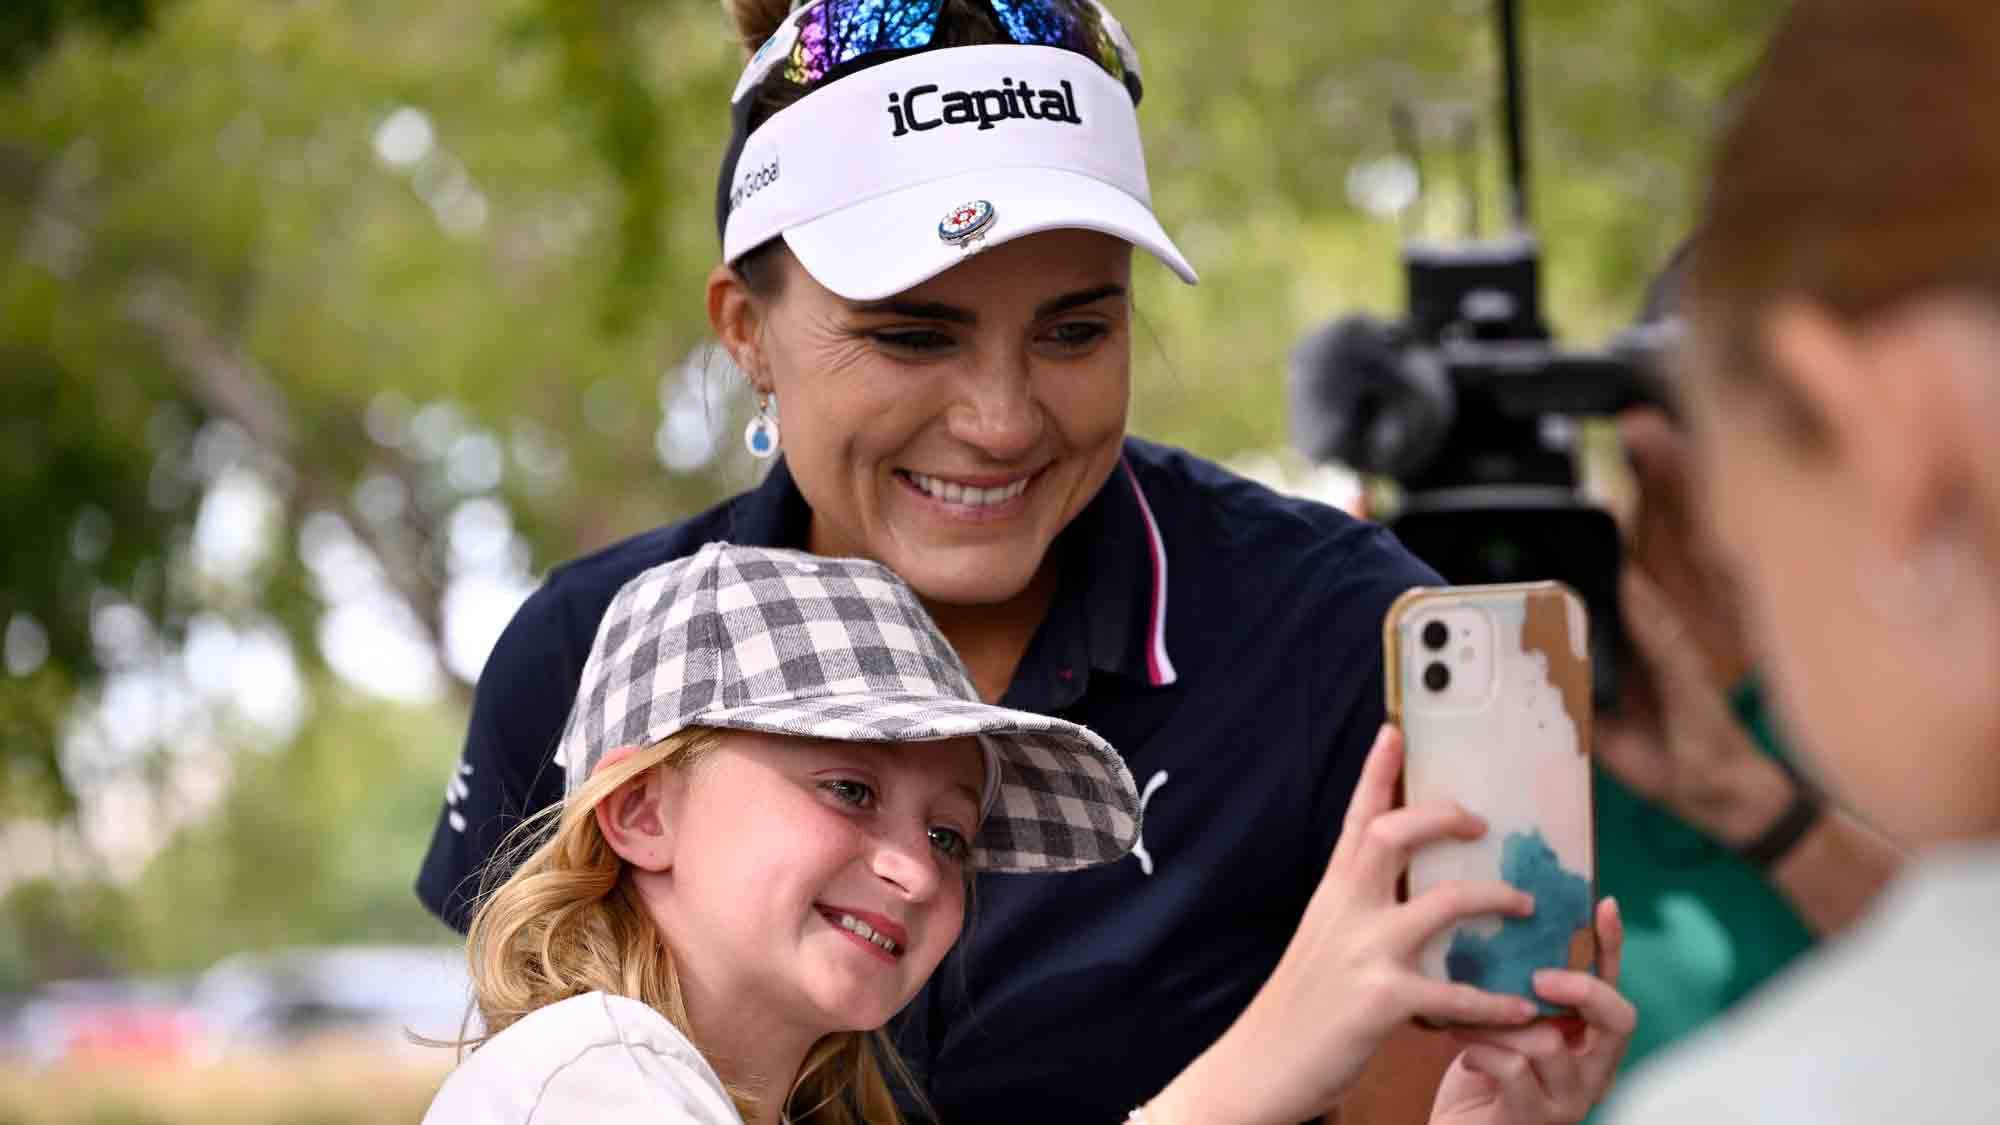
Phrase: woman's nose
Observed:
(997, 411)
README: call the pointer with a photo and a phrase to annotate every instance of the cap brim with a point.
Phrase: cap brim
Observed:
(1062, 798)
(883, 246)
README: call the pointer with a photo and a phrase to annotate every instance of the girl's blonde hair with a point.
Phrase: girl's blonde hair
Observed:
(567, 920)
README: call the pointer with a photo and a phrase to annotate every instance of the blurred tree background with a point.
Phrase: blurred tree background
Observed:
(326, 327)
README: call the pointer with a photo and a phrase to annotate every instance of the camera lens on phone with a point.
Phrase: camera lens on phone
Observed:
(1436, 676)
(1436, 635)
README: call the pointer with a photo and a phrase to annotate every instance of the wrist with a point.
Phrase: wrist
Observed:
(1185, 1101)
(1204, 1094)
(1782, 837)
(1748, 802)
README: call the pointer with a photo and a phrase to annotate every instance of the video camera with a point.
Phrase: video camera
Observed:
(1470, 407)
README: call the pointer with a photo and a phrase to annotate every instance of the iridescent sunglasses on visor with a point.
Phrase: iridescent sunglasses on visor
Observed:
(819, 38)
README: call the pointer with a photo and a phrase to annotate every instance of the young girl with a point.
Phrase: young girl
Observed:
(780, 780)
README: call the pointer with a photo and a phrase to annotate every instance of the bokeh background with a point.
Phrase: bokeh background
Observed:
(327, 325)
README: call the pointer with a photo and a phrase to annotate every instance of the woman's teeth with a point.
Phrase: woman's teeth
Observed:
(856, 926)
(952, 493)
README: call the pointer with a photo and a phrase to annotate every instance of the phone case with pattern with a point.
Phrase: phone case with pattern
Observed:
(1491, 686)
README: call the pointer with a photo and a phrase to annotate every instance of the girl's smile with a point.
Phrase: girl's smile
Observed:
(881, 937)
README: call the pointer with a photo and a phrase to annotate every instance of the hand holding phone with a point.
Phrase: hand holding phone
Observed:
(1347, 979)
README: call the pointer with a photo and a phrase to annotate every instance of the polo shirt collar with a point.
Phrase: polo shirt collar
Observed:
(773, 514)
(1109, 613)
(1117, 558)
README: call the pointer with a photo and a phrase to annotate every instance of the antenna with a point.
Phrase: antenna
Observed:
(1402, 122)
(1468, 175)
(1511, 99)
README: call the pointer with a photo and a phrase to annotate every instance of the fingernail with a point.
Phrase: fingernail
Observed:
(1527, 903)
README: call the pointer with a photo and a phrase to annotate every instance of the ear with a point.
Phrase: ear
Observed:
(637, 818)
(1874, 393)
(736, 316)
(1975, 412)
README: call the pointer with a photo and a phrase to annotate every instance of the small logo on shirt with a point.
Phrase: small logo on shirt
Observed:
(456, 790)
(1139, 849)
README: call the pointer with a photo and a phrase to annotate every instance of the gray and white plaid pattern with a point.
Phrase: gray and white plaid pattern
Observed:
(754, 638)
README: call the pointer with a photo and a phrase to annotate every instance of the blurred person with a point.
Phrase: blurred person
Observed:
(781, 780)
(1696, 737)
(1844, 384)
(1728, 862)
(927, 212)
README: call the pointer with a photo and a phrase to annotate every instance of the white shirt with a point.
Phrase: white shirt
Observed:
(594, 1057)
(1893, 1023)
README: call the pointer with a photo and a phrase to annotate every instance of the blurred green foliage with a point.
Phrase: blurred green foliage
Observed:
(314, 844)
(247, 238)
(30, 27)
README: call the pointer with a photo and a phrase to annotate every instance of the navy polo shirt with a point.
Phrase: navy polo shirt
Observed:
(1226, 639)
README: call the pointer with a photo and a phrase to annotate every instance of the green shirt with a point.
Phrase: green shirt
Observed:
(1702, 927)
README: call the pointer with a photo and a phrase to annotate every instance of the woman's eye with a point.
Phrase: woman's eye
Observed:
(913, 339)
(847, 792)
(1077, 335)
(950, 842)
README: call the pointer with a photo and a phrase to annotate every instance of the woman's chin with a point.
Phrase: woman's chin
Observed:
(970, 575)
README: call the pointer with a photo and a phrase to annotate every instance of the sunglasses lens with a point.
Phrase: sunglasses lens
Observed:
(841, 31)
(1043, 23)
(827, 35)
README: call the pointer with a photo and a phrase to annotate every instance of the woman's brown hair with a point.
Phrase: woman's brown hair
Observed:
(755, 20)
(1858, 169)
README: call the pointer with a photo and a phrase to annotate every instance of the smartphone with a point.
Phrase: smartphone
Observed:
(1491, 686)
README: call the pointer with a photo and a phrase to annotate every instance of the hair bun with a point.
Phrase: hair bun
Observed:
(756, 20)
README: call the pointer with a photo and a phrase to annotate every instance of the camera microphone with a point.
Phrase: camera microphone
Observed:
(1359, 395)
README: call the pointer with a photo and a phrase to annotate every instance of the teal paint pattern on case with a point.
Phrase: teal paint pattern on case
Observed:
(1506, 962)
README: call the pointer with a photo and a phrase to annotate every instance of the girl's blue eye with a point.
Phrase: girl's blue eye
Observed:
(856, 793)
(950, 842)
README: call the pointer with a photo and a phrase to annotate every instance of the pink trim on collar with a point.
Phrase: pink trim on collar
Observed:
(1159, 667)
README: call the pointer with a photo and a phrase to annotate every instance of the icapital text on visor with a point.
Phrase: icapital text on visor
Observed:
(1012, 100)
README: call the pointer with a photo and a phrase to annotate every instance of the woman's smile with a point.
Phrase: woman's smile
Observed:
(980, 498)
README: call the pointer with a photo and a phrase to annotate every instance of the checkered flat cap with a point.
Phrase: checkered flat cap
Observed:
(783, 642)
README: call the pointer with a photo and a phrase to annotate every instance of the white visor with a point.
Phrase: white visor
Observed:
(871, 178)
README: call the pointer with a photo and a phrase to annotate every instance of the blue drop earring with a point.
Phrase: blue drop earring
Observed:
(761, 435)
